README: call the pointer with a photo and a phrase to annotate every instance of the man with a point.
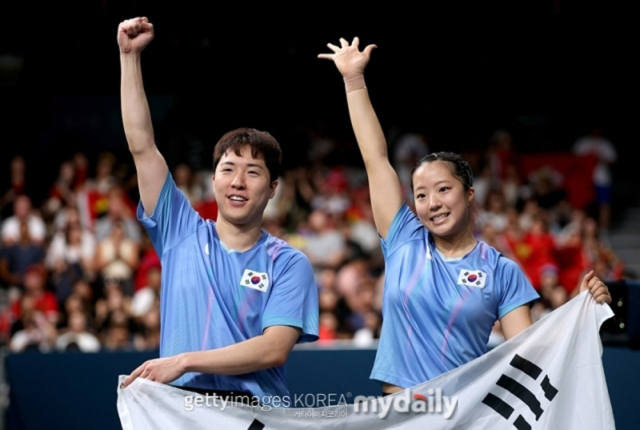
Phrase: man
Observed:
(234, 299)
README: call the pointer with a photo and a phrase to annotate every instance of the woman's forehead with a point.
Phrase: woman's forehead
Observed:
(433, 172)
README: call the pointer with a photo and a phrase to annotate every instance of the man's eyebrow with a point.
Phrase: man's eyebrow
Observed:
(231, 163)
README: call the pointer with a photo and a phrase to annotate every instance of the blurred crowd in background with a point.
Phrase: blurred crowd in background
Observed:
(78, 271)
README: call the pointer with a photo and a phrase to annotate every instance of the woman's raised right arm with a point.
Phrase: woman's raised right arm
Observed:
(386, 192)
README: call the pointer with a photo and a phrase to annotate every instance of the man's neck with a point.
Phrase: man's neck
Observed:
(238, 238)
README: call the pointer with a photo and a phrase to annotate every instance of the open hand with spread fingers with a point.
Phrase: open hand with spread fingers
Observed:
(134, 35)
(348, 58)
(596, 287)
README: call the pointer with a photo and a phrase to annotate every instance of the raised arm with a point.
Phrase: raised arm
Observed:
(386, 193)
(133, 36)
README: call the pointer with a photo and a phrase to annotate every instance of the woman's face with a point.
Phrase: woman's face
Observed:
(75, 234)
(442, 203)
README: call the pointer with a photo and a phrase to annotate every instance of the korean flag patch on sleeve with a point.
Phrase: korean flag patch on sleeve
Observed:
(256, 280)
(472, 278)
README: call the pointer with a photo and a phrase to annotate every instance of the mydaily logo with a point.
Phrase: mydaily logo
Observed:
(404, 402)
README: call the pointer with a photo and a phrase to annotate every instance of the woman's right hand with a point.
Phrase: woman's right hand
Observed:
(348, 58)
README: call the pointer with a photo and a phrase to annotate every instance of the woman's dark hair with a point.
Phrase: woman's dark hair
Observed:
(459, 167)
(261, 144)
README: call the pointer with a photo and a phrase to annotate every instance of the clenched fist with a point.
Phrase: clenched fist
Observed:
(596, 287)
(134, 35)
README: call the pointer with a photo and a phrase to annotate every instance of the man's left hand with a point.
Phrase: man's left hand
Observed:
(163, 370)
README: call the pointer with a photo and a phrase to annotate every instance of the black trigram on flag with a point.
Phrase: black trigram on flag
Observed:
(521, 392)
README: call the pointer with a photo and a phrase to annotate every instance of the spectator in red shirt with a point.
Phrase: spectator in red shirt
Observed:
(542, 247)
(35, 279)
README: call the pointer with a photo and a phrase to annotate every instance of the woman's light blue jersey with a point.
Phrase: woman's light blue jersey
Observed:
(438, 312)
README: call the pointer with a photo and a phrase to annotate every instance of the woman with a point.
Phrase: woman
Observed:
(117, 257)
(443, 290)
(70, 257)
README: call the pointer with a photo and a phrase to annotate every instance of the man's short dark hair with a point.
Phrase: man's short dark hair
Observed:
(262, 145)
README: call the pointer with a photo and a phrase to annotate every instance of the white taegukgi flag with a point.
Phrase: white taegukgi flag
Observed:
(550, 376)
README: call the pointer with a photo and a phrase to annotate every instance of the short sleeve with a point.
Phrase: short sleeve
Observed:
(514, 288)
(37, 228)
(294, 299)
(172, 220)
(405, 227)
(10, 229)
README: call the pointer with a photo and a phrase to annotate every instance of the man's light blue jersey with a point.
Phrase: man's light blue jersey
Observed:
(212, 297)
(438, 312)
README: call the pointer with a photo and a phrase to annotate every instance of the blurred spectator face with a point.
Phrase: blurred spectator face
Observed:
(327, 279)
(182, 175)
(22, 206)
(361, 300)
(34, 279)
(329, 321)
(118, 336)
(328, 300)
(105, 167)
(115, 298)
(152, 319)
(73, 304)
(83, 290)
(119, 318)
(349, 277)
(441, 202)
(558, 297)
(548, 282)
(495, 202)
(372, 321)
(74, 234)
(601, 269)
(539, 227)
(67, 171)
(318, 221)
(17, 165)
(77, 322)
(27, 304)
(73, 216)
(530, 207)
(116, 204)
(153, 278)
(512, 216)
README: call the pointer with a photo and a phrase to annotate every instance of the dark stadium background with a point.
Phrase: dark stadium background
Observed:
(545, 70)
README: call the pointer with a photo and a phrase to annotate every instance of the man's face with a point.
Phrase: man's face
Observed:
(22, 207)
(242, 187)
